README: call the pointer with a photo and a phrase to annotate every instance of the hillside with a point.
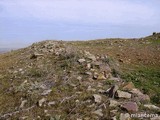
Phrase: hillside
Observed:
(82, 80)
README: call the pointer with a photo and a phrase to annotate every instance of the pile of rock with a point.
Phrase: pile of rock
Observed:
(124, 99)
(86, 90)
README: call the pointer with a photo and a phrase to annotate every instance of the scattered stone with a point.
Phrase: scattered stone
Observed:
(88, 66)
(151, 107)
(143, 98)
(124, 116)
(45, 111)
(101, 91)
(23, 103)
(51, 103)
(130, 106)
(97, 98)
(136, 92)
(23, 118)
(88, 73)
(97, 63)
(35, 55)
(91, 89)
(105, 68)
(40, 102)
(101, 77)
(46, 92)
(79, 78)
(81, 60)
(100, 85)
(140, 96)
(113, 112)
(113, 103)
(156, 118)
(122, 94)
(114, 118)
(112, 91)
(93, 70)
(20, 70)
(129, 86)
(92, 105)
(91, 57)
(98, 112)
(77, 101)
(95, 75)
(114, 79)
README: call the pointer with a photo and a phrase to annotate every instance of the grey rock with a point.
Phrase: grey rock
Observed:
(140, 97)
(122, 94)
(114, 118)
(113, 103)
(105, 68)
(81, 60)
(88, 66)
(97, 98)
(23, 103)
(91, 89)
(79, 78)
(156, 118)
(136, 92)
(124, 116)
(114, 79)
(101, 91)
(143, 98)
(151, 107)
(91, 57)
(95, 75)
(46, 92)
(88, 73)
(51, 103)
(98, 112)
(40, 102)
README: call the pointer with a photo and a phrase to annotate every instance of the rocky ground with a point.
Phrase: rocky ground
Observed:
(55, 80)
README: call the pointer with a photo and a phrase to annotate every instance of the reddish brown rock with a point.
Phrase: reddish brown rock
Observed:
(129, 86)
(130, 106)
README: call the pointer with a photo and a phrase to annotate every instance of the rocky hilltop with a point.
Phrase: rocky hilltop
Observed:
(54, 80)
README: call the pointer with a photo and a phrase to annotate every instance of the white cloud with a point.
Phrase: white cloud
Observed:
(82, 11)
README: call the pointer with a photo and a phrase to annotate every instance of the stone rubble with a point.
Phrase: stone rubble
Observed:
(118, 98)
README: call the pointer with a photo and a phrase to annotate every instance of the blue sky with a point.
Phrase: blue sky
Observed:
(23, 22)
